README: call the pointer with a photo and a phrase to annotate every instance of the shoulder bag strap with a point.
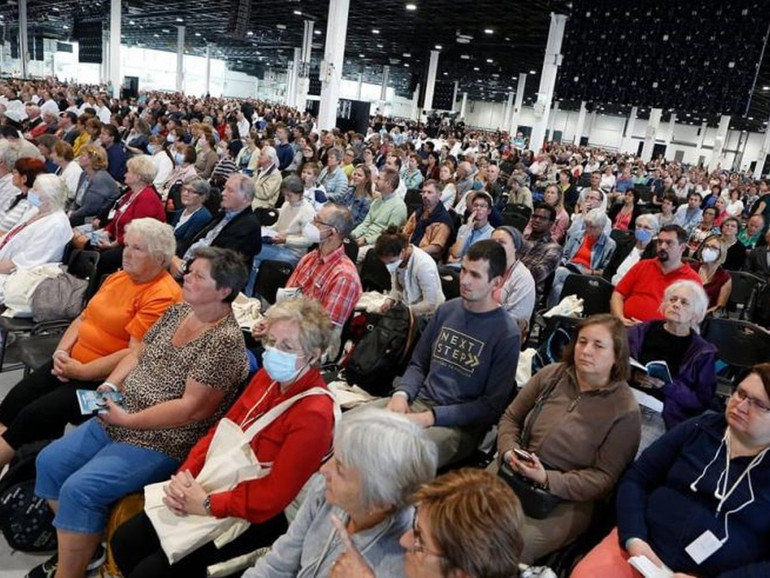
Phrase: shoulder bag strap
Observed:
(271, 415)
(535, 412)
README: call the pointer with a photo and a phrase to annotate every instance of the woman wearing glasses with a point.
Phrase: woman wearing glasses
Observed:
(380, 459)
(193, 216)
(696, 500)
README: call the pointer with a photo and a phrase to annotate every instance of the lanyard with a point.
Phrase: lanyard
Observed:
(255, 406)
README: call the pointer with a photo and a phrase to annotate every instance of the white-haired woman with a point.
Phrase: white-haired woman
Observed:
(380, 459)
(630, 251)
(113, 323)
(42, 234)
(298, 331)
(689, 357)
(175, 385)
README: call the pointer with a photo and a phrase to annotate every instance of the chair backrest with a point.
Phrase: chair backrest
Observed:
(374, 274)
(743, 286)
(620, 236)
(351, 248)
(594, 291)
(740, 344)
(584, 180)
(413, 200)
(450, 282)
(82, 264)
(645, 193)
(519, 209)
(266, 216)
(515, 220)
(272, 276)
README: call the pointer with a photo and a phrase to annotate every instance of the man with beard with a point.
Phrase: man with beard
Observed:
(638, 296)
(430, 227)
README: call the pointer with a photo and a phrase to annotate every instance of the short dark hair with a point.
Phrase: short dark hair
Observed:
(112, 131)
(681, 233)
(391, 176)
(227, 269)
(695, 194)
(621, 368)
(763, 372)
(491, 252)
(546, 207)
(390, 243)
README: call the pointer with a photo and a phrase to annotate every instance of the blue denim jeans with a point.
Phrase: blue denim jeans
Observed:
(87, 472)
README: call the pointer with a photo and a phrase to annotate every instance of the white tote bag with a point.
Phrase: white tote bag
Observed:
(229, 461)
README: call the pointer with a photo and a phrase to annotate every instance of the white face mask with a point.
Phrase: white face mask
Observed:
(709, 255)
(392, 267)
(311, 233)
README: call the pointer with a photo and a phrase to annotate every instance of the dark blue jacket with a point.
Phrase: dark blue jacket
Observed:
(195, 223)
(657, 504)
(692, 389)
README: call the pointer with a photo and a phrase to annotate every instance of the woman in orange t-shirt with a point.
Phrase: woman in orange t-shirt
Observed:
(115, 320)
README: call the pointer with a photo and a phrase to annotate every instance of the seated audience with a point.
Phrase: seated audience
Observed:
(116, 152)
(96, 188)
(184, 167)
(430, 226)
(293, 445)
(8, 157)
(630, 251)
(518, 191)
(69, 169)
(623, 215)
(591, 199)
(358, 197)
(333, 178)
(25, 172)
(689, 357)
(677, 492)
(362, 497)
(705, 228)
(207, 157)
(758, 261)
(112, 324)
(267, 180)
(539, 253)
(736, 251)
(411, 175)
(42, 235)
(236, 226)
(476, 229)
(752, 233)
(667, 214)
(580, 423)
(553, 197)
(638, 296)
(461, 373)
(175, 385)
(447, 184)
(587, 252)
(716, 281)
(414, 278)
(193, 216)
(388, 210)
(689, 214)
(517, 293)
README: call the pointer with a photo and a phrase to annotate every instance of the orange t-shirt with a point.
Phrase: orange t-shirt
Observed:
(120, 310)
(583, 255)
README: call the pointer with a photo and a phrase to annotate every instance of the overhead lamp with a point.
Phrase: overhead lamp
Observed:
(406, 65)
(488, 31)
(411, 7)
(533, 71)
(407, 54)
(439, 47)
(490, 61)
(178, 19)
(298, 12)
(379, 46)
(317, 32)
(375, 31)
(362, 56)
(198, 34)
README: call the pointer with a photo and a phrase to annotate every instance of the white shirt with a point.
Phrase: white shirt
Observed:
(631, 259)
(71, 178)
(164, 166)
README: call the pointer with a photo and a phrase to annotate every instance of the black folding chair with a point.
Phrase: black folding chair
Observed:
(743, 287)
(266, 216)
(515, 220)
(519, 209)
(740, 345)
(450, 282)
(272, 276)
(594, 291)
(413, 200)
(374, 274)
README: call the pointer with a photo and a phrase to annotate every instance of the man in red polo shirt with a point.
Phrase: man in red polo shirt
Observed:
(638, 296)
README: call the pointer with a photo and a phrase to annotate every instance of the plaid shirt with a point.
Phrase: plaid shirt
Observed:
(541, 257)
(333, 280)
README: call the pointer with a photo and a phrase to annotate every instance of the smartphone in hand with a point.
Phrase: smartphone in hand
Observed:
(524, 456)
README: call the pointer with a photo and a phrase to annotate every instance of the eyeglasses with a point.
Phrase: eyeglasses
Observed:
(754, 403)
(416, 541)
(537, 217)
(317, 221)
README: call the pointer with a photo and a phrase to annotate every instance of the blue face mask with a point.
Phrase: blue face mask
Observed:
(179, 158)
(152, 149)
(644, 236)
(281, 366)
(33, 199)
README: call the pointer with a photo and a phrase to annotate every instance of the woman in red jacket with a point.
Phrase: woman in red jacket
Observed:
(294, 444)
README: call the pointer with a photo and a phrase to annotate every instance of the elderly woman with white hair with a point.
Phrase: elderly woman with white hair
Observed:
(587, 252)
(43, 232)
(175, 385)
(689, 357)
(633, 249)
(267, 181)
(380, 459)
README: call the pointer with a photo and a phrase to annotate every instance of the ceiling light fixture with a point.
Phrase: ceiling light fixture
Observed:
(488, 31)
(379, 46)
(490, 61)
(439, 47)
(533, 71)
(298, 12)
(407, 55)
(411, 7)
(375, 31)
(178, 19)
(197, 34)
(317, 32)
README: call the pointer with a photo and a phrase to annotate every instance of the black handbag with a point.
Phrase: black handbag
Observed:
(537, 502)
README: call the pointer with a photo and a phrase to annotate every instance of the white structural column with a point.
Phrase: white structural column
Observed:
(626, 143)
(508, 111)
(207, 82)
(115, 75)
(763, 152)
(331, 68)
(701, 138)
(552, 120)
(551, 65)
(384, 85)
(463, 105)
(360, 85)
(104, 67)
(650, 133)
(180, 58)
(581, 122)
(454, 95)
(520, 86)
(430, 84)
(719, 142)
(23, 39)
(415, 103)
(303, 72)
(668, 136)
(292, 78)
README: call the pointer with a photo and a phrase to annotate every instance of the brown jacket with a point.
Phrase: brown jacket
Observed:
(589, 437)
(436, 234)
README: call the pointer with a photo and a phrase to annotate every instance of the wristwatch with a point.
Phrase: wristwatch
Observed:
(207, 505)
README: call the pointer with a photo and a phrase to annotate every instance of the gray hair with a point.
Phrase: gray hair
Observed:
(337, 153)
(244, 185)
(698, 299)
(143, 167)
(650, 220)
(158, 236)
(341, 219)
(199, 186)
(392, 455)
(596, 218)
(270, 152)
(315, 326)
(9, 154)
(53, 188)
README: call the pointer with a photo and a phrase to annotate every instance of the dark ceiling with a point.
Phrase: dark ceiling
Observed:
(484, 44)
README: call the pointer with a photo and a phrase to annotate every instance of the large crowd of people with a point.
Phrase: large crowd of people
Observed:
(190, 201)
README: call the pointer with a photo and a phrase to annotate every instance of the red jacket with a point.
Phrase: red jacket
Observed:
(295, 442)
(146, 204)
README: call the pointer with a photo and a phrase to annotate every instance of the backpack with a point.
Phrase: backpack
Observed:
(383, 351)
(559, 334)
(122, 511)
(26, 521)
